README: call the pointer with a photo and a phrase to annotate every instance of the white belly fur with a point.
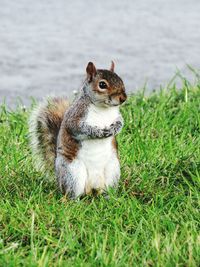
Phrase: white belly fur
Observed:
(96, 153)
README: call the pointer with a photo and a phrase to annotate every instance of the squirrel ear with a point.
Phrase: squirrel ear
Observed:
(112, 67)
(91, 71)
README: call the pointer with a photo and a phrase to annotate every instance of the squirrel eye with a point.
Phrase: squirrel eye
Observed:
(102, 85)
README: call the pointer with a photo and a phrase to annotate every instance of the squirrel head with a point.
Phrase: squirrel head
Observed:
(104, 87)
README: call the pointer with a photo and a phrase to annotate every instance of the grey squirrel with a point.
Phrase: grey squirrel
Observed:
(77, 142)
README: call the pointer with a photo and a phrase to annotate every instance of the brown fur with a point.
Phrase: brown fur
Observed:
(115, 85)
(68, 146)
(115, 146)
(48, 124)
(91, 71)
(114, 143)
(115, 82)
(112, 67)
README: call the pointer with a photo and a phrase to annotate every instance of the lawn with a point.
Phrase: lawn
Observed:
(153, 218)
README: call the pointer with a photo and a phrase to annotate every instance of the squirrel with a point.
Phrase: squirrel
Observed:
(77, 141)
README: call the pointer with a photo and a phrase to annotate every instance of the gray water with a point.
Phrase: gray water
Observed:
(46, 44)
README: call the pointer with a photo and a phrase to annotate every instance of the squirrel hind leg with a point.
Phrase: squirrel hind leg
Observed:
(44, 125)
(71, 177)
(112, 172)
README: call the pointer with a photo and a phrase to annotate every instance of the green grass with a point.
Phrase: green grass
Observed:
(151, 220)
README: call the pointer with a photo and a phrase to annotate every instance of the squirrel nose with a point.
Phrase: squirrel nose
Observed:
(122, 98)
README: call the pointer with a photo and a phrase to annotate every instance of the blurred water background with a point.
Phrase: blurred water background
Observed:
(46, 44)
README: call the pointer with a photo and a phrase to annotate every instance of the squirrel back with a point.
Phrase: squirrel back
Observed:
(44, 125)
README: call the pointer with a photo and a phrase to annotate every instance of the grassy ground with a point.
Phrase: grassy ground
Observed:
(153, 218)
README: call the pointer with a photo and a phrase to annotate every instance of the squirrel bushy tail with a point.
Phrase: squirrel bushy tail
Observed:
(44, 126)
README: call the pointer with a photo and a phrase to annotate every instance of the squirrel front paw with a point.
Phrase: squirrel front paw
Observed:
(107, 132)
(116, 127)
(113, 129)
(96, 132)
